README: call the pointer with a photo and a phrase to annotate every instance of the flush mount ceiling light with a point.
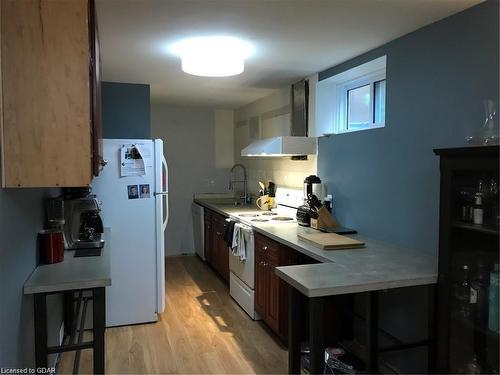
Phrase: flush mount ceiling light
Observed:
(212, 56)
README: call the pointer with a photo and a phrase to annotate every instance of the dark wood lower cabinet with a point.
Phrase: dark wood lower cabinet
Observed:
(261, 284)
(209, 233)
(276, 303)
(271, 293)
(216, 250)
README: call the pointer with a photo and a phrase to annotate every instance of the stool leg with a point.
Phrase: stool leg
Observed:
(431, 356)
(317, 334)
(372, 332)
(99, 318)
(40, 310)
(294, 329)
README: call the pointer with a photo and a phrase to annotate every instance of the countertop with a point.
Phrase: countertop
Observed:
(72, 273)
(376, 266)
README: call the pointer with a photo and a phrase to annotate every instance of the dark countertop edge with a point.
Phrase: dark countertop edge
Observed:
(87, 284)
(301, 250)
(351, 289)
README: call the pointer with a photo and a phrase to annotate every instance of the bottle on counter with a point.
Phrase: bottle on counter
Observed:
(493, 191)
(474, 367)
(478, 210)
(462, 292)
(479, 294)
(466, 200)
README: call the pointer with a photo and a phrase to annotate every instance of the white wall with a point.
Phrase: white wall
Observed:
(198, 144)
(224, 138)
(283, 171)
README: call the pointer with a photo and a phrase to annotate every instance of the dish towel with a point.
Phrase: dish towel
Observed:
(228, 233)
(243, 241)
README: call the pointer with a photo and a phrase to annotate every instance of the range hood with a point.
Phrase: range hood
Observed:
(296, 142)
(281, 146)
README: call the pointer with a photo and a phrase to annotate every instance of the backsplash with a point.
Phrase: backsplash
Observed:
(282, 171)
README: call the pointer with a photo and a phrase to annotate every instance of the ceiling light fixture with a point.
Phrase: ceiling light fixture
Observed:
(212, 56)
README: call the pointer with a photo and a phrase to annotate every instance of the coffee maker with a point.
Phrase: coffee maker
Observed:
(312, 186)
(83, 225)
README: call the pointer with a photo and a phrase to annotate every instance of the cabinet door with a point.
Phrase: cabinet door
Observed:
(95, 90)
(209, 234)
(217, 244)
(274, 298)
(45, 135)
(261, 284)
(222, 253)
(224, 259)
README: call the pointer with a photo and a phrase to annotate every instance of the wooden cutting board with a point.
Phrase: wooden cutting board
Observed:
(330, 241)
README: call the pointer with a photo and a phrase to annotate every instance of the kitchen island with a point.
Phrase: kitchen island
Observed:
(375, 267)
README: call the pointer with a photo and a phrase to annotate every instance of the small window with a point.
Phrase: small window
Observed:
(358, 108)
(379, 102)
(357, 97)
(365, 106)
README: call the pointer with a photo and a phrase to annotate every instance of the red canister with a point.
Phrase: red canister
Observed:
(51, 246)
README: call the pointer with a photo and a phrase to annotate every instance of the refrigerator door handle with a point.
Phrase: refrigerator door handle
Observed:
(165, 193)
(161, 198)
(164, 225)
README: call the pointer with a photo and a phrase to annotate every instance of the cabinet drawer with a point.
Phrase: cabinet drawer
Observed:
(270, 248)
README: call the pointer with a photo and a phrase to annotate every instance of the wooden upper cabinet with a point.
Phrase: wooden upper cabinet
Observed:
(95, 90)
(49, 92)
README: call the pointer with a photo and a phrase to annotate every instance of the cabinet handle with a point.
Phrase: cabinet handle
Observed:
(264, 248)
(219, 233)
(101, 164)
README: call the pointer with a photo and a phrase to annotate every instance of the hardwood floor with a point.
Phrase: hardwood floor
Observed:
(201, 331)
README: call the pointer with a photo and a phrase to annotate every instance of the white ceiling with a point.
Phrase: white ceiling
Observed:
(292, 39)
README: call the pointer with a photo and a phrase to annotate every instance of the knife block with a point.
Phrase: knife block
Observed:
(324, 220)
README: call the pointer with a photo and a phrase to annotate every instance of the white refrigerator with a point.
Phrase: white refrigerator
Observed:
(133, 189)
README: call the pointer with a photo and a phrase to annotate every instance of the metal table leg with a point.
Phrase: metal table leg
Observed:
(431, 353)
(69, 311)
(317, 335)
(372, 332)
(99, 319)
(40, 310)
(294, 328)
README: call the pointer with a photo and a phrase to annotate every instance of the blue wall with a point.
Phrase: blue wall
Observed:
(21, 217)
(385, 182)
(126, 110)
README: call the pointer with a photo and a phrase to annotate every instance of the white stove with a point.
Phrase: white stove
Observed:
(288, 200)
(275, 216)
(241, 282)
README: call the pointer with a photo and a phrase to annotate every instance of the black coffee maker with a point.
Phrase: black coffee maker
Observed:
(83, 225)
(312, 186)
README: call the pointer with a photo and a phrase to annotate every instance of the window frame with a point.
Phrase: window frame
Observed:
(365, 74)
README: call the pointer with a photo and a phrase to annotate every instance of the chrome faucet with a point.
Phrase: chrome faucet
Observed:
(244, 181)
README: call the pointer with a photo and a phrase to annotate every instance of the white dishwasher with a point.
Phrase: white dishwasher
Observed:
(199, 229)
